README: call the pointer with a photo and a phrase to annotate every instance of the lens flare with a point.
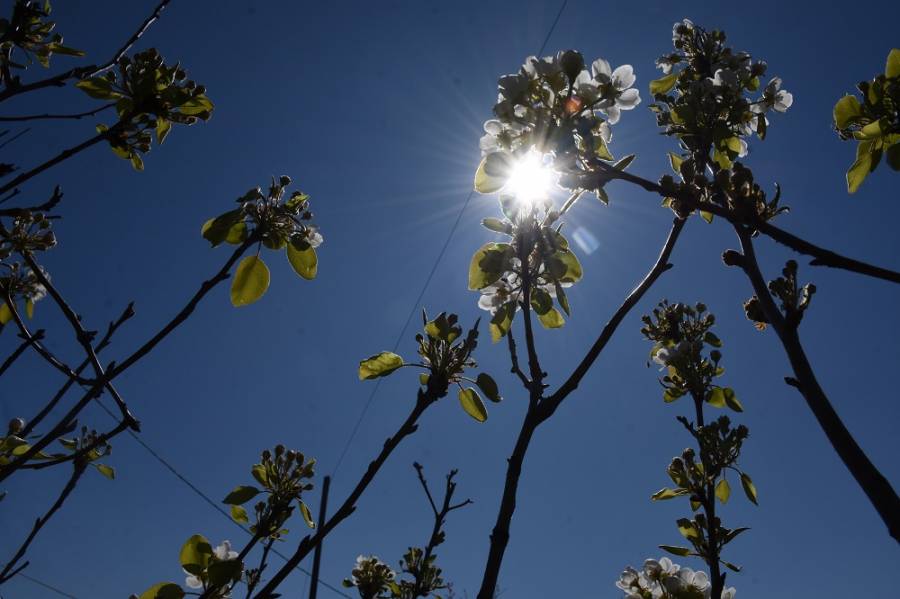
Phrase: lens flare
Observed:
(530, 180)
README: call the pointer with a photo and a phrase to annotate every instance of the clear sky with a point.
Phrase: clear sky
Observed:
(376, 109)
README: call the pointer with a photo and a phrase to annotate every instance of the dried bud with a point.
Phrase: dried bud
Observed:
(16, 425)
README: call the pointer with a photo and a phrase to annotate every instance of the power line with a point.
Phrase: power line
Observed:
(59, 592)
(415, 306)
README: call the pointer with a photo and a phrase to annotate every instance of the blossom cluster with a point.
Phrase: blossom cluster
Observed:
(371, 577)
(560, 110)
(222, 552)
(704, 97)
(662, 579)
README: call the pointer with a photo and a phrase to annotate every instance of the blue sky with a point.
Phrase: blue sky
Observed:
(375, 109)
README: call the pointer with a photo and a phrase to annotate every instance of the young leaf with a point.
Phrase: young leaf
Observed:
(487, 384)
(663, 84)
(487, 183)
(892, 66)
(239, 515)
(682, 551)
(667, 493)
(488, 264)
(241, 494)
(552, 319)
(846, 109)
(731, 401)
(472, 404)
(225, 572)
(749, 488)
(716, 397)
(163, 590)
(502, 321)
(378, 365)
(251, 280)
(307, 515)
(723, 490)
(107, 471)
(195, 554)
(304, 261)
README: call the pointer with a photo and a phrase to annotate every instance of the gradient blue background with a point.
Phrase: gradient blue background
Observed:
(376, 109)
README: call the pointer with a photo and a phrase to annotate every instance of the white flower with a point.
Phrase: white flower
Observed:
(223, 552)
(543, 67)
(609, 91)
(499, 293)
(729, 593)
(311, 236)
(37, 293)
(682, 30)
(726, 78)
(774, 97)
(193, 582)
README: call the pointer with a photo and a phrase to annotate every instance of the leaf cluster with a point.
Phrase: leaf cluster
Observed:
(30, 33)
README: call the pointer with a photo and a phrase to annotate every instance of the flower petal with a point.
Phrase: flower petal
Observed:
(623, 77)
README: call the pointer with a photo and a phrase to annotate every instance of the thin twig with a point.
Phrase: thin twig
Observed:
(38, 335)
(549, 406)
(424, 399)
(821, 256)
(50, 204)
(77, 471)
(514, 360)
(191, 305)
(84, 338)
(65, 154)
(89, 71)
(35, 117)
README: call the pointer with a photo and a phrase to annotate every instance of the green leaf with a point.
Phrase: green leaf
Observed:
(107, 471)
(307, 515)
(663, 84)
(195, 554)
(423, 379)
(561, 298)
(671, 394)
(381, 364)
(892, 67)
(860, 169)
(733, 533)
(552, 319)
(237, 234)
(497, 225)
(241, 495)
(731, 401)
(675, 161)
(163, 590)
(472, 404)
(564, 267)
(711, 339)
(682, 551)
(163, 126)
(846, 111)
(502, 321)
(251, 280)
(723, 490)
(749, 488)
(687, 529)
(667, 493)
(487, 183)
(487, 384)
(198, 106)
(541, 301)
(99, 88)
(136, 161)
(731, 566)
(239, 515)
(623, 163)
(29, 308)
(716, 397)
(5, 314)
(707, 216)
(225, 572)
(304, 261)
(870, 131)
(217, 230)
(259, 473)
(488, 264)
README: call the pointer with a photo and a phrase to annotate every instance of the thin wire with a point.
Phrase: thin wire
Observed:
(415, 306)
(46, 586)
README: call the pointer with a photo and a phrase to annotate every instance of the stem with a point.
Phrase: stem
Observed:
(549, 406)
(45, 207)
(179, 318)
(821, 256)
(76, 116)
(876, 487)
(77, 471)
(38, 335)
(717, 581)
(65, 154)
(424, 399)
(83, 72)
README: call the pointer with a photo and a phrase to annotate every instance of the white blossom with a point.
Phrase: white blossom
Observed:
(774, 98)
(224, 552)
(193, 582)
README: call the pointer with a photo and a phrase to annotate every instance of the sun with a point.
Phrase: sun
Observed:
(529, 179)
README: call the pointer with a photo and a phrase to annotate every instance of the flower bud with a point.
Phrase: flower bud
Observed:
(16, 425)
(572, 63)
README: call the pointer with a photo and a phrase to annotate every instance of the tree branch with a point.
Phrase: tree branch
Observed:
(64, 155)
(424, 399)
(876, 487)
(77, 471)
(38, 335)
(89, 71)
(549, 406)
(185, 312)
(35, 117)
(45, 207)
(821, 256)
